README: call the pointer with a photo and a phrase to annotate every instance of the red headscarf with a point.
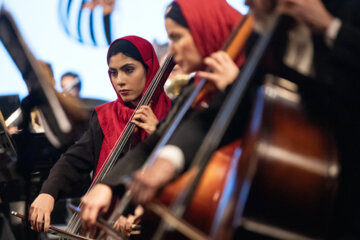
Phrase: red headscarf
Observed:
(113, 116)
(210, 23)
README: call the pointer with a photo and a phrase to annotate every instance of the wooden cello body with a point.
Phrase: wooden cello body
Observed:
(202, 209)
(287, 175)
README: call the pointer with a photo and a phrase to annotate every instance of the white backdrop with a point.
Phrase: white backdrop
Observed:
(40, 25)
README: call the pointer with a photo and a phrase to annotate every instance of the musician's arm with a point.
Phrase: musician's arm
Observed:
(192, 131)
(76, 162)
(340, 30)
(98, 199)
(71, 167)
(133, 160)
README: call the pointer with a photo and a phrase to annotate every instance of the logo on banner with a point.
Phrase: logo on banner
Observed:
(88, 21)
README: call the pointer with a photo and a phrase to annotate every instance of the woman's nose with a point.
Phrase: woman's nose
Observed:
(171, 49)
(120, 80)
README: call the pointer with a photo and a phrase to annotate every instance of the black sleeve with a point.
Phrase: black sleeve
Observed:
(190, 134)
(133, 160)
(80, 159)
(346, 46)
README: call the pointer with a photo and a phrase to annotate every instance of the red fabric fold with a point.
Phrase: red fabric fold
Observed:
(114, 116)
(210, 23)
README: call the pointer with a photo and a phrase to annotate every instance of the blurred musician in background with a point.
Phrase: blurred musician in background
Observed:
(15, 119)
(71, 84)
(323, 45)
(35, 154)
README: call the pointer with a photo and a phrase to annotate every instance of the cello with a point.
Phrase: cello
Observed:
(158, 80)
(290, 163)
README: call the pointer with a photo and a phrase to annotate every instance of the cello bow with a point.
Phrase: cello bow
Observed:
(103, 225)
(55, 230)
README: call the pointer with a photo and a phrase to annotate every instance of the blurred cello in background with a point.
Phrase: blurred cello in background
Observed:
(288, 172)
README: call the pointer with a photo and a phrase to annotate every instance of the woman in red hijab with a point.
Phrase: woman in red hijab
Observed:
(132, 66)
(197, 30)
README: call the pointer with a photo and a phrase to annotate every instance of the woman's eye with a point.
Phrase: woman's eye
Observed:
(175, 37)
(113, 73)
(128, 70)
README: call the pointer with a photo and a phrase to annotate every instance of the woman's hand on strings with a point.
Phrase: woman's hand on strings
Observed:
(145, 118)
(39, 213)
(95, 202)
(125, 224)
(223, 69)
(147, 182)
